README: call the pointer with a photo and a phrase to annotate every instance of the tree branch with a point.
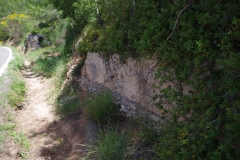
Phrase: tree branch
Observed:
(174, 28)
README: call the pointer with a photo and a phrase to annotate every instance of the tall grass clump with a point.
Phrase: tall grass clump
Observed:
(102, 108)
(110, 145)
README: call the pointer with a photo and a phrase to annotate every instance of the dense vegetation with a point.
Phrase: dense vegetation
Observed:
(197, 46)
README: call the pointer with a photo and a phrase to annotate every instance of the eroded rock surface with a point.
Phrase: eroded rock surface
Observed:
(130, 81)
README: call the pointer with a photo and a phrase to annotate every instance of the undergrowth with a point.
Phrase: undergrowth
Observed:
(101, 108)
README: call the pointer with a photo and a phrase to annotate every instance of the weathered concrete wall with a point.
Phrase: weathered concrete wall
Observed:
(130, 82)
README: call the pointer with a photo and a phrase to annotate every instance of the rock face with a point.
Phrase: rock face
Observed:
(130, 82)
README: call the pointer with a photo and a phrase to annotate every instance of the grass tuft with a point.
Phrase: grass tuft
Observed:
(102, 108)
(109, 145)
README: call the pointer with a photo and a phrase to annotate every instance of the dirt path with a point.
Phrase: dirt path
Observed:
(35, 117)
(51, 138)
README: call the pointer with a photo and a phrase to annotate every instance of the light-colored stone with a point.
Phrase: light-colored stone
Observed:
(27, 64)
(95, 67)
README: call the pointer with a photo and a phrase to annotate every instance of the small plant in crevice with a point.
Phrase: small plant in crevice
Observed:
(110, 144)
(101, 108)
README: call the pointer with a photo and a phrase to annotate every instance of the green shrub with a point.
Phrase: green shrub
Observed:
(110, 145)
(102, 108)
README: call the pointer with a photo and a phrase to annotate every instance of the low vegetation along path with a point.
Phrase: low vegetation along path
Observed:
(36, 115)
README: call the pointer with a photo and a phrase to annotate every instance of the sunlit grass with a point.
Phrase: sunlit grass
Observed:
(36, 54)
